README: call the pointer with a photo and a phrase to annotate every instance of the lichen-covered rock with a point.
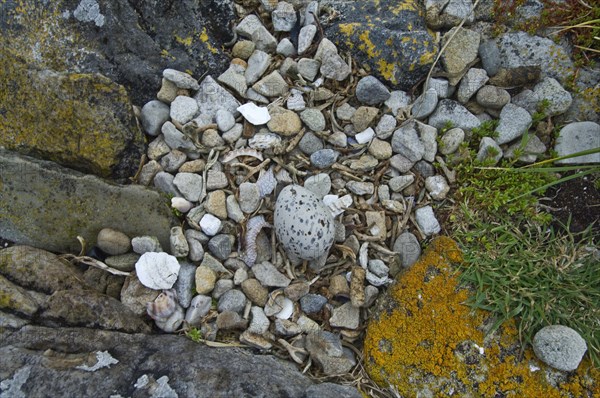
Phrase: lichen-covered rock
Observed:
(129, 42)
(82, 121)
(424, 341)
(389, 36)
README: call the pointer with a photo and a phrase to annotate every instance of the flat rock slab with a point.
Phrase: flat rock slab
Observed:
(390, 36)
(45, 205)
(38, 361)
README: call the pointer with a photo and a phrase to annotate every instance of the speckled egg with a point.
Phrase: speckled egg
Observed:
(303, 224)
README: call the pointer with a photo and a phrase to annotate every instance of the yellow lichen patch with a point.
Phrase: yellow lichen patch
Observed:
(367, 46)
(187, 41)
(348, 28)
(204, 38)
(386, 70)
(406, 5)
(426, 341)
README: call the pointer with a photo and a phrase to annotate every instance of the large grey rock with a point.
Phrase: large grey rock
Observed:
(514, 121)
(115, 361)
(130, 42)
(559, 346)
(398, 48)
(45, 205)
(577, 137)
(521, 49)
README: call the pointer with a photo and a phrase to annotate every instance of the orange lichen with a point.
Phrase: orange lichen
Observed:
(425, 340)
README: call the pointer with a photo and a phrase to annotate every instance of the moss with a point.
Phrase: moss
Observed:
(426, 340)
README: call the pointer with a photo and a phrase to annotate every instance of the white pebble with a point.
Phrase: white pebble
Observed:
(210, 224)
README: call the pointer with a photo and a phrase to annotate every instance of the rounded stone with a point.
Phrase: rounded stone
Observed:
(559, 346)
(492, 97)
(313, 118)
(205, 279)
(371, 91)
(113, 242)
(303, 225)
(154, 115)
(323, 158)
(232, 300)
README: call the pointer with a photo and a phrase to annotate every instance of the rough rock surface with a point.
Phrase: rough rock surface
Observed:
(390, 36)
(82, 121)
(130, 42)
(34, 212)
(70, 362)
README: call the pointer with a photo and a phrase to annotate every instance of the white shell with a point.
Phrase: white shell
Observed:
(336, 204)
(303, 225)
(264, 141)
(210, 225)
(163, 306)
(254, 114)
(229, 156)
(157, 271)
(181, 204)
(287, 309)
(253, 227)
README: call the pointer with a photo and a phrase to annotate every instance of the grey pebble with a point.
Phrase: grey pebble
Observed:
(451, 140)
(308, 68)
(154, 115)
(305, 37)
(258, 63)
(310, 143)
(406, 142)
(184, 286)
(189, 184)
(145, 244)
(385, 127)
(195, 239)
(319, 184)
(163, 181)
(232, 300)
(514, 121)
(425, 104)
(225, 120)
(284, 17)
(313, 118)
(490, 56)
(559, 346)
(409, 248)
(179, 245)
(183, 109)
(472, 81)
(489, 149)
(222, 286)
(286, 48)
(269, 276)
(324, 158)
(371, 91)
(221, 246)
(426, 220)
(249, 197)
(312, 303)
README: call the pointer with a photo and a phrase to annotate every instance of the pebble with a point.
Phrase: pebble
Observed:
(254, 114)
(305, 38)
(361, 187)
(113, 242)
(492, 97)
(363, 117)
(378, 268)
(271, 85)
(429, 138)
(189, 184)
(179, 245)
(371, 91)
(269, 276)
(258, 63)
(559, 99)
(225, 120)
(221, 246)
(514, 121)
(289, 68)
(181, 79)
(229, 320)
(426, 220)
(338, 139)
(249, 197)
(175, 139)
(154, 115)
(157, 270)
(313, 118)
(451, 140)
(308, 68)
(347, 316)
(286, 48)
(210, 224)
(307, 325)
(183, 109)
(532, 149)
(371, 293)
(256, 341)
(284, 17)
(163, 181)
(172, 161)
(198, 309)
(398, 100)
(424, 168)
(310, 143)
(233, 300)
(234, 78)
(437, 186)
(297, 290)
(338, 286)
(240, 275)
(345, 112)
(397, 184)
(193, 166)
(312, 303)
(216, 204)
(526, 99)
(284, 122)
(205, 279)
(168, 91)
(449, 111)
(470, 83)
(559, 347)
(441, 87)
(489, 149)
(221, 287)
(255, 292)
(184, 286)
(406, 142)
(385, 127)
(460, 52)
(233, 134)
(196, 252)
(380, 149)
(319, 184)
(324, 158)
(425, 104)
(211, 97)
(158, 148)
(407, 245)
(216, 179)
(145, 244)
(333, 66)
(234, 211)
(259, 323)
(243, 49)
